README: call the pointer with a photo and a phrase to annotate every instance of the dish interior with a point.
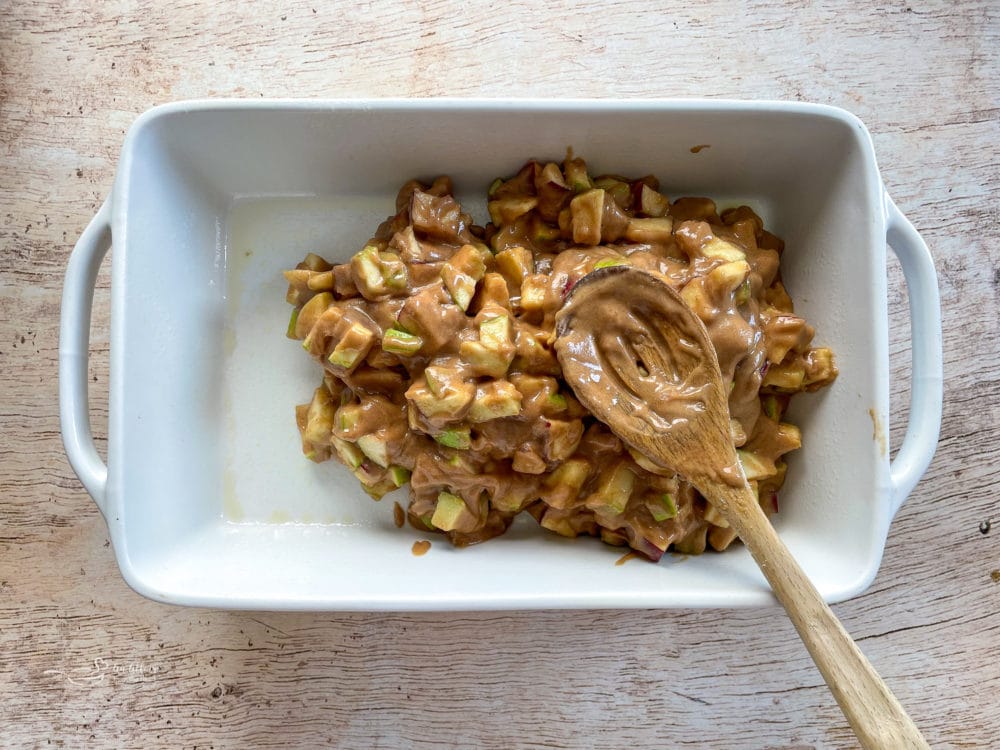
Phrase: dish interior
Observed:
(211, 498)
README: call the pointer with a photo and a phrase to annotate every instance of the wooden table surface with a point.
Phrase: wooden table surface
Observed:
(85, 662)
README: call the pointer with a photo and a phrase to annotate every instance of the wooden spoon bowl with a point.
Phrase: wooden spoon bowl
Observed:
(641, 361)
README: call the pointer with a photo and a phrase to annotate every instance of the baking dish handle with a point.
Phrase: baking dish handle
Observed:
(927, 379)
(74, 352)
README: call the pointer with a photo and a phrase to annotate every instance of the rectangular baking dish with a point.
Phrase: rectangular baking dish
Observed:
(207, 497)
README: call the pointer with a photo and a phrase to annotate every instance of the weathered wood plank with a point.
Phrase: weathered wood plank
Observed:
(86, 662)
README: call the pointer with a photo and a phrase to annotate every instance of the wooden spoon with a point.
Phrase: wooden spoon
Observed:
(641, 361)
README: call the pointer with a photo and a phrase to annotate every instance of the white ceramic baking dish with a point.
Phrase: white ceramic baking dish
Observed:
(206, 494)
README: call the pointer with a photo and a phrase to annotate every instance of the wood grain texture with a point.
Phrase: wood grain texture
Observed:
(86, 662)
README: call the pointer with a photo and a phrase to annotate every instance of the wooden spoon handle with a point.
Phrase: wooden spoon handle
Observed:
(873, 712)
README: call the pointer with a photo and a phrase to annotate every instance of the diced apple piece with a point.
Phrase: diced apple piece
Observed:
(376, 447)
(495, 332)
(614, 490)
(613, 538)
(395, 277)
(742, 295)
(566, 223)
(562, 436)
(726, 279)
(549, 174)
(558, 524)
(820, 369)
(646, 463)
(595, 217)
(576, 175)
(651, 230)
(721, 538)
(508, 210)
(376, 483)
(320, 281)
(353, 346)
(737, 433)
(370, 379)
(448, 511)
(654, 544)
(495, 400)
(543, 233)
(552, 190)
(461, 274)
(663, 507)
(722, 249)
(533, 290)
(776, 296)
(513, 498)
(377, 274)
(413, 250)
(461, 464)
(450, 402)
(399, 475)
(413, 418)
(534, 387)
(523, 183)
(428, 315)
(301, 416)
(319, 417)
(788, 437)
(587, 210)
(528, 461)
(298, 277)
(514, 264)
(755, 466)
(556, 402)
(310, 313)
(610, 262)
(438, 216)
(745, 233)
(715, 518)
(495, 292)
(533, 352)
(787, 378)
(314, 262)
(694, 208)
(366, 272)
(459, 438)
(694, 295)
(439, 378)
(406, 242)
(618, 190)
(349, 416)
(318, 337)
(649, 202)
(400, 342)
(563, 485)
(349, 453)
(772, 406)
(732, 216)
(298, 286)
(485, 361)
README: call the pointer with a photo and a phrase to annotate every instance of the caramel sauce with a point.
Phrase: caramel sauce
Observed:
(626, 557)
(420, 547)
